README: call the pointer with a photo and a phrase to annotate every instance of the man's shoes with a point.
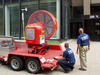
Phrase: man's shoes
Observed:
(72, 68)
(82, 69)
(68, 71)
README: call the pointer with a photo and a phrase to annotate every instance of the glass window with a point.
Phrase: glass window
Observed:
(15, 18)
(1, 19)
(49, 5)
(1, 2)
(12, 18)
(15, 1)
(28, 0)
(77, 12)
(95, 9)
(52, 6)
(7, 1)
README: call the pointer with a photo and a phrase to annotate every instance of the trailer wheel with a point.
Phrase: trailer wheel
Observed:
(16, 63)
(33, 65)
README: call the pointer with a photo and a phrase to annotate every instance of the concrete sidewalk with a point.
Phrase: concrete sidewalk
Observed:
(93, 63)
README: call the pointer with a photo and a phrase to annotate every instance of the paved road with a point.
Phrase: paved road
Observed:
(93, 63)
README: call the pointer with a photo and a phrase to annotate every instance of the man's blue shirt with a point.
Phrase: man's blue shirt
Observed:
(83, 39)
(69, 55)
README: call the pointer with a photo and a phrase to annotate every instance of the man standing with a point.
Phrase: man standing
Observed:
(67, 60)
(83, 45)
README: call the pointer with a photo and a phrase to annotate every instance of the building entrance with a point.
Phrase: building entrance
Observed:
(92, 27)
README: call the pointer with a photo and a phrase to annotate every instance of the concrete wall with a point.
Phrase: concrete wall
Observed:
(77, 2)
(95, 1)
(86, 4)
(80, 2)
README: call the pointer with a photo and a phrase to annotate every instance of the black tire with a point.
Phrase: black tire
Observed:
(16, 63)
(33, 65)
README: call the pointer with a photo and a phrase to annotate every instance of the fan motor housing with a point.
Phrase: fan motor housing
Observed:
(35, 33)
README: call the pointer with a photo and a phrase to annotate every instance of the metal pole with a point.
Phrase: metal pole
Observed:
(20, 20)
(62, 20)
(23, 23)
(3, 3)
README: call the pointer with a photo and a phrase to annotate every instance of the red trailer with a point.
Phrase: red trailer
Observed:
(34, 52)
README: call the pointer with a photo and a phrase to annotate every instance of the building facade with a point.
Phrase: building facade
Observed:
(10, 15)
(70, 15)
(86, 14)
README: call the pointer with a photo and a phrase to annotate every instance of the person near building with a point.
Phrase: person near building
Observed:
(83, 45)
(67, 60)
